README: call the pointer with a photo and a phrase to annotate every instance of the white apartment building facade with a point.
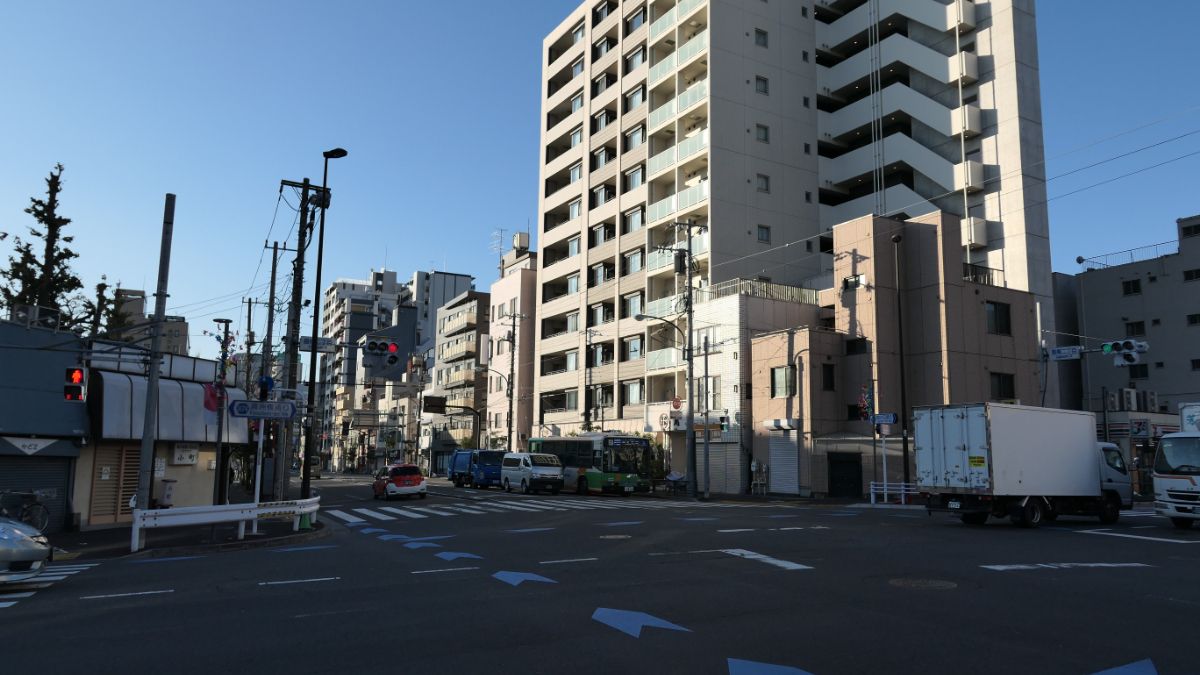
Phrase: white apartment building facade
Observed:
(754, 127)
(513, 320)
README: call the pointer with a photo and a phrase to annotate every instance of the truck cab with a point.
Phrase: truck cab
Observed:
(1177, 470)
(475, 468)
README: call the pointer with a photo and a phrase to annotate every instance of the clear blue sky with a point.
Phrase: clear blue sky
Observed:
(218, 101)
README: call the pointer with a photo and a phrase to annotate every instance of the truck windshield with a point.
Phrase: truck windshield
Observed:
(491, 458)
(1178, 456)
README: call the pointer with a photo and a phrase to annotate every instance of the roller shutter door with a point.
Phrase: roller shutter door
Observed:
(784, 477)
(48, 477)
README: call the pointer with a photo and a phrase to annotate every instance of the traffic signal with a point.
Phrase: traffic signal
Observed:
(75, 385)
(388, 352)
(1125, 352)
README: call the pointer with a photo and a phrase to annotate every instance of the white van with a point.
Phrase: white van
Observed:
(531, 472)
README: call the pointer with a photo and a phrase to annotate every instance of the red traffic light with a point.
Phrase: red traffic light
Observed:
(74, 375)
(393, 347)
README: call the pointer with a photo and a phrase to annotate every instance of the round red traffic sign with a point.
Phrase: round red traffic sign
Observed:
(676, 403)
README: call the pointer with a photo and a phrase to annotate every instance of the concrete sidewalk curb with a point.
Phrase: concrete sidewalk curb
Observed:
(319, 531)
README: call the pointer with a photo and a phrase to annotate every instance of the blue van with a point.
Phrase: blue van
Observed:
(475, 468)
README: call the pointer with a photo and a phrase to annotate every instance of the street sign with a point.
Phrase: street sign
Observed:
(324, 344)
(1069, 353)
(271, 410)
(884, 418)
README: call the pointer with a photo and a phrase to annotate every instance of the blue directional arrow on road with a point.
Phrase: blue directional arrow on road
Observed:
(1143, 667)
(631, 623)
(515, 578)
(392, 537)
(455, 555)
(422, 544)
(740, 667)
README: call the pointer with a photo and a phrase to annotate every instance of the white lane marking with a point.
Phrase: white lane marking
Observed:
(508, 507)
(463, 509)
(568, 560)
(297, 581)
(1144, 527)
(1138, 536)
(342, 515)
(402, 512)
(447, 569)
(61, 572)
(374, 514)
(740, 529)
(77, 568)
(15, 596)
(1058, 566)
(124, 595)
(751, 555)
(426, 509)
(557, 505)
(5, 605)
(533, 507)
(47, 577)
(83, 565)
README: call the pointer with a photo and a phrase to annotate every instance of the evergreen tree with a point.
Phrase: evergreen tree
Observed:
(103, 313)
(44, 280)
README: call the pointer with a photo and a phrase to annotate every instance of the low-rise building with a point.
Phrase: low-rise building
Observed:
(460, 354)
(513, 315)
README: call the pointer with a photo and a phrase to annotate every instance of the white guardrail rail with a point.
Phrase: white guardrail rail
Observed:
(885, 490)
(224, 513)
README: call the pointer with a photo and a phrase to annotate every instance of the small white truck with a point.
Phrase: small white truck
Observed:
(1177, 470)
(1027, 463)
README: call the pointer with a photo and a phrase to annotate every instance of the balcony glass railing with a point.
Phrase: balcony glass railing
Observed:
(692, 47)
(686, 6)
(691, 146)
(660, 209)
(663, 23)
(662, 113)
(656, 260)
(662, 358)
(661, 161)
(692, 96)
(663, 306)
(660, 70)
(692, 195)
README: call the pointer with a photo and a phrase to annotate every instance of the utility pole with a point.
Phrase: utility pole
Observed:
(587, 384)
(278, 480)
(222, 487)
(292, 336)
(249, 341)
(512, 371)
(150, 418)
(707, 406)
(896, 239)
(688, 260)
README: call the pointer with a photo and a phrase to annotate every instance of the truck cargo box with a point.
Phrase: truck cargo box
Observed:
(1006, 450)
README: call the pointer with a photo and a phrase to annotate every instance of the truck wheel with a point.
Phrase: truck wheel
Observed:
(1182, 523)
(1030, 515)
(507, 487)
(457, 482)
(1110, 510)
(524, 487)
(974, 518)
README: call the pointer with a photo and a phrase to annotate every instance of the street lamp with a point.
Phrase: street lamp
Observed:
(691, 413)
(896, 239)
(305, 486)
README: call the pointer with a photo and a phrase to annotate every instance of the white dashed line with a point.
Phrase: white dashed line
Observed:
(297, 581)
(124, 595)
(447, 569)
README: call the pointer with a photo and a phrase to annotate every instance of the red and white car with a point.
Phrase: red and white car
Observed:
(399, 479)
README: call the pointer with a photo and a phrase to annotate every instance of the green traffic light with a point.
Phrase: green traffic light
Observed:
(1107, 347)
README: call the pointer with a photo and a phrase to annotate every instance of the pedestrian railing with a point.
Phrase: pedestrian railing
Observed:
(224, 513)
(885, 490)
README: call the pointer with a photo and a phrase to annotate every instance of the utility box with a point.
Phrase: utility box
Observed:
(166, 497)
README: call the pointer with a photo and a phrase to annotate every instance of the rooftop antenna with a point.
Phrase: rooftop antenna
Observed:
(497, 246)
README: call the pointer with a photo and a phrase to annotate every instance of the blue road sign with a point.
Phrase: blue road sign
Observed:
(270, 410)
(885, 418)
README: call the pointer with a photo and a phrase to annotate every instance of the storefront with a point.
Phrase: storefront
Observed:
(39, 467)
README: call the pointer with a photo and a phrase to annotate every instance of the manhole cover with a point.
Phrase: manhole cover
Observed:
(924, 584)
(614, 536)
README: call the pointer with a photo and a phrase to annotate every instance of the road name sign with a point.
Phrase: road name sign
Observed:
(271, 410)
(1069, 353)
(885, 418)
(324, 344)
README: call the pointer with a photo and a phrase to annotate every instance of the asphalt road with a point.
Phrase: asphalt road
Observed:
(473, 581)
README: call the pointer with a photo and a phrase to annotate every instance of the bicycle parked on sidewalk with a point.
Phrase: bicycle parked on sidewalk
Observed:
(25, 507)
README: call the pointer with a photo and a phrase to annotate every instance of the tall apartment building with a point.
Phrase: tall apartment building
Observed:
(514, 319)
(459, 374)
(132, 305)
(767, 123)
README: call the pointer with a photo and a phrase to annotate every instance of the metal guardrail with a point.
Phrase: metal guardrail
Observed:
(223, 513)
(885, 489)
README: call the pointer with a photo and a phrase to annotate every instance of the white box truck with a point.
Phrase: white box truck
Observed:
(1177, 470)
(1030, 464)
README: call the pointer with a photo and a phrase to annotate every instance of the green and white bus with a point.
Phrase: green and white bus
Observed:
(600, 462)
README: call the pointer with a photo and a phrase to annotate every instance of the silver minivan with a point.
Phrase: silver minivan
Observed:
(530, 472)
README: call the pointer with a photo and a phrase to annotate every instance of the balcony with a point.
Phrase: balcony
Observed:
(692, 47)
(664, 23)
(983, 275)
(694, 94)
(664, 306)
(463, 401)
(459, 351)
(658, 259)
(677, 153)
(662, 114)
(460, 378)
(459, 323)
(663, 358)
(662, 160)
(661, 69)
(464, 437)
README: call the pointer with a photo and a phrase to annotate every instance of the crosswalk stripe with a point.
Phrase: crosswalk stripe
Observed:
(402, 512)
(374, 514)
(463, 509)
(62, 572)
(4, 605)
(15, 596)
(46, 577)
(342, 515)
(530, 507)
(512, 507)
(563, 504)
(435, 512)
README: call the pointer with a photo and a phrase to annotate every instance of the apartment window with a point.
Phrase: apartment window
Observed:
(762, 85)
(808, 197)
(828, 381)
(602, 194)
(634, 21)
(1195, 364)
(1193, 319)
(602, 11)
(635, 98)
(856, 346)
(631, 391)
(631, 305)
(1189, 231)
(573, 322)
(577, 34)
(602, 156)
(804, 56)
(602, 47)
(1135, 328)
(1004, 386)
(577, 102)
(601, 83)
(574, 209)
(764, 234)
(1131, 287)
(635, 177)
(632, 348)
(602, 119)
(1140, 371)
(573, 246)
(634, 59)
(1191, 275)
(576, 136)
(783, 382)
(573, 284)
(633, 221)
(763, 183)
(804, 12)
(632, 261)
(577, 67)
(600, 274)
(760, 37)
(762, 133)
(635, 137)
(807, 149)
(572, 361)
(999, 318)
(600, 234)
(806, 104)
(576, 172)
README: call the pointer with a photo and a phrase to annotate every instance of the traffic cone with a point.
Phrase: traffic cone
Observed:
(305, 523)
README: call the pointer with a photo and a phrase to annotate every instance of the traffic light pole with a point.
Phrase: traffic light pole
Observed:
(150, 418)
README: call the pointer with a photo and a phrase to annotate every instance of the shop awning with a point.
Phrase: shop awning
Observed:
(182, 415)
(40, 447)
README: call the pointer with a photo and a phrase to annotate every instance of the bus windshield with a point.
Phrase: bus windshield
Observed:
(626, 460)
(628, 455)
(1178, 456)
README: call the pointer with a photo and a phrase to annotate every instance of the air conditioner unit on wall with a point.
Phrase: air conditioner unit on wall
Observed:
(1129, 399)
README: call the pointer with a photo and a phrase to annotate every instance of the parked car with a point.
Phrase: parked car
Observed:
(24, 551)
(531, 472)
(399, 479)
